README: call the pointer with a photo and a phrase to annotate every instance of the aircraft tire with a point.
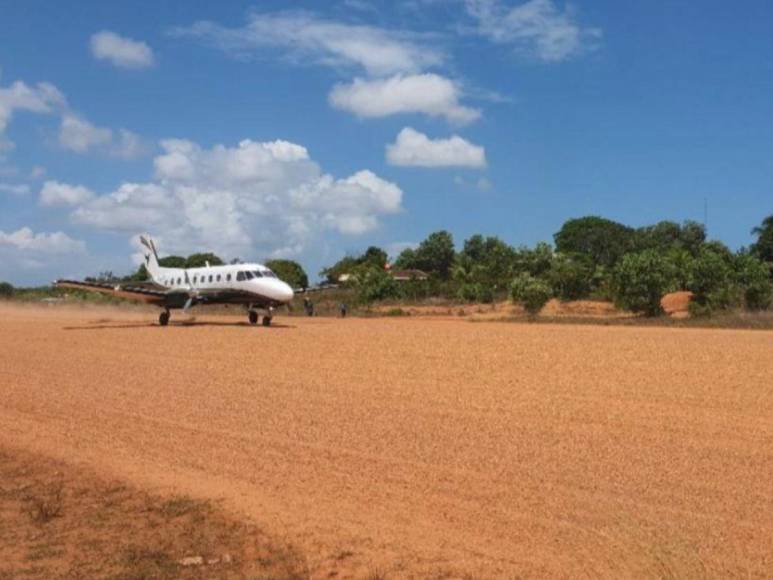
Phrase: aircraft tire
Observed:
(163, 318)
(266, 321)
(253, 316)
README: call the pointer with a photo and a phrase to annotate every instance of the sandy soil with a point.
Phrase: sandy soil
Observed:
(421, 447)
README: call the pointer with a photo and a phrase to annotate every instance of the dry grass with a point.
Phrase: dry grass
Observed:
(94, 528)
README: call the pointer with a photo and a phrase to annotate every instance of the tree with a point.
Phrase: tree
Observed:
(376, 284)
(535, 262)
(173, 262)
(711, 280)
(6, 290)
(640, 280)
(603, 241)
(200, 260)
(289, 271)
(570, 277)
(374, 256)
(434, 255)
(754, 277)
(667, 235)
(531, 292)
(492, 260)
(763, 247)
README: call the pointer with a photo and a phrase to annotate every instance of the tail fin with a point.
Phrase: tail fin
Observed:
(151, 258)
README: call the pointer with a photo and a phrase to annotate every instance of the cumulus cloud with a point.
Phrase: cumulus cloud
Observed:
(412, 148)
(25, 240)
(54, 193)
(269, 196)
(307, 38)
(428, 93)
(121, 51)
(42, 98)
(81, 136)
(14, 189)
(538, 28)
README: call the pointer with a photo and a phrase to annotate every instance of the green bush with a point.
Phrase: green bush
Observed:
(753, 276)
(531, 292)
(711, 281)
(640, 280)
(377, 285)
(570, 277)
(6, 290)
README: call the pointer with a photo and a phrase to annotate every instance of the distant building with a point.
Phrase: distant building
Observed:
(408, 275)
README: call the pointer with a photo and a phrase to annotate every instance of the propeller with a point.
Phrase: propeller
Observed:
(193, 293)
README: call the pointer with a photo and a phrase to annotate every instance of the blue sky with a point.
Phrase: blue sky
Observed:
(309, 130)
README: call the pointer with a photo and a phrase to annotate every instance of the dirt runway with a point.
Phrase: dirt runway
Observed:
(422, 447)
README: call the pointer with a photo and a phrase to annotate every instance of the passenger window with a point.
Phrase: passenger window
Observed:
(240, 276)
(179, 281)
(210, 277)
(227, 277)
(218, 277)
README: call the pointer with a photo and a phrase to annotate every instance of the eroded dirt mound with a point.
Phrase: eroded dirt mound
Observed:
(677, 304)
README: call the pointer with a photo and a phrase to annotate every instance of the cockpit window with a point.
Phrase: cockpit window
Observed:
(248, 274)
(258, 274)
(268, 273)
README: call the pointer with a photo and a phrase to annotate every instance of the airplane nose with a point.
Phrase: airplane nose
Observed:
(286, 293)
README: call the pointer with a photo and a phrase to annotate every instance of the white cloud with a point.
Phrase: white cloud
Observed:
(121, 51)
(268, 196)
(54, 193)
(42, 98)
(429, 94)
(17, 189)
(81, 136)
(25, 240)
(412, 148)
(537, 27)
(308, 38)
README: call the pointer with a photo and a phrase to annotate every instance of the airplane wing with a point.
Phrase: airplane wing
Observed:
(131, 291)
(158, 295)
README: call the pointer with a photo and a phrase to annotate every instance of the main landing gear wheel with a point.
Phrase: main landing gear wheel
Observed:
(266, 321)
(253, 316)
(163, 318)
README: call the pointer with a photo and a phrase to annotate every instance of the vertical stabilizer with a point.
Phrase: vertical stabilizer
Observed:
(151, 258)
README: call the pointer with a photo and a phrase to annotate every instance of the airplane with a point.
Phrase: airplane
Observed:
(253, 285)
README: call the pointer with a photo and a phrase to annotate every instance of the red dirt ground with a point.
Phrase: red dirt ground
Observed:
(421, 447)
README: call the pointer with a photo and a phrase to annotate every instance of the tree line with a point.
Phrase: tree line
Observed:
(592, 257)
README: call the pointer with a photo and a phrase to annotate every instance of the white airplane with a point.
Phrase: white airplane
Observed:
(253, 285)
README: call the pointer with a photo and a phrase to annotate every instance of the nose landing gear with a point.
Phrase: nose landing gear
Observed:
(163, 318)
(254, 314)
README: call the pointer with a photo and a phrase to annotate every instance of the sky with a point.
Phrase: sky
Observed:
(310, 130)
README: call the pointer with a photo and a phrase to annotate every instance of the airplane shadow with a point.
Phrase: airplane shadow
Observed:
(175, 324)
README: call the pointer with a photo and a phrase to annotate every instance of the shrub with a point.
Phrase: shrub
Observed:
(377, 285)
(6, 290)
(640, 280)
(711, 282)
(570, 277)
(531, 292)
(754, 277)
